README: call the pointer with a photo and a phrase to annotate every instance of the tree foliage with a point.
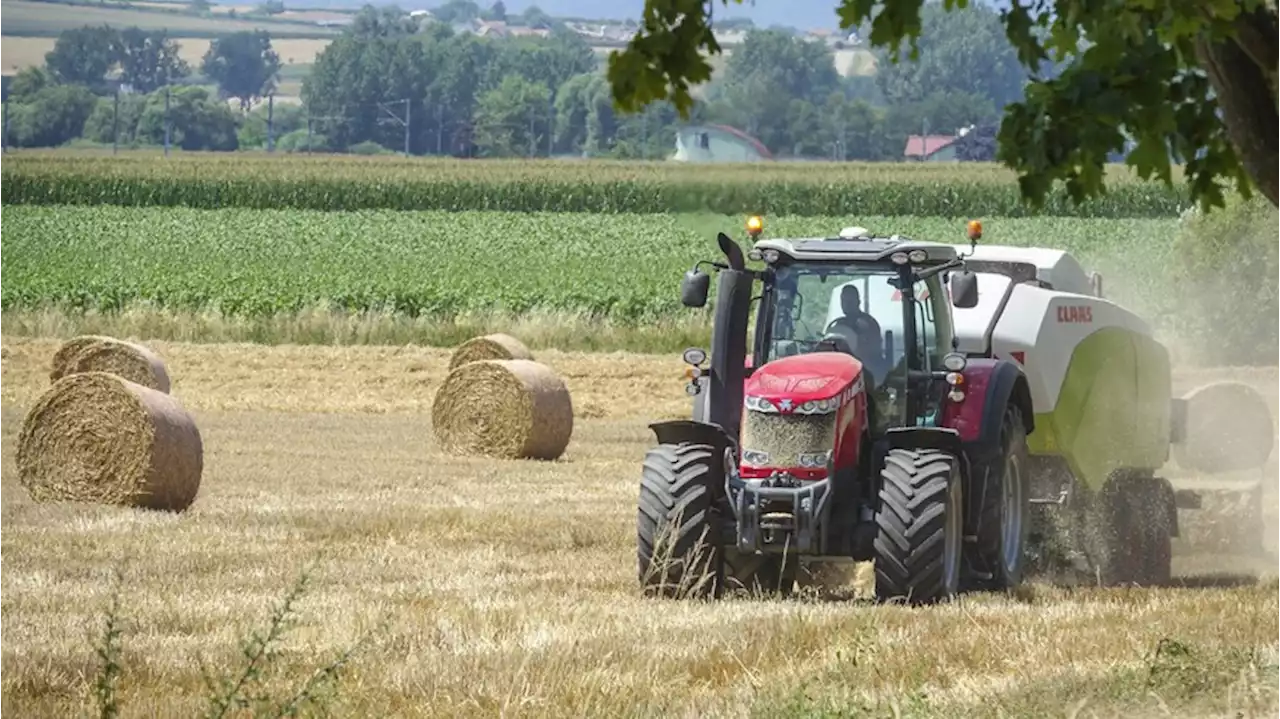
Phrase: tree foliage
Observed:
(243, 64)
(1174, 81)
(83, 56)
(148, 59)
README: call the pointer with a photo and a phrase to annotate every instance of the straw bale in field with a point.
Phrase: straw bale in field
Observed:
(503, 408)
(97, 437)
(489, 347)
(94, 353)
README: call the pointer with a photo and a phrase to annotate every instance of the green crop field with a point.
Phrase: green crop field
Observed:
(350, 183)
(624, 267)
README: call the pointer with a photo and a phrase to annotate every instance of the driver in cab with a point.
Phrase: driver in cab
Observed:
(858, 328)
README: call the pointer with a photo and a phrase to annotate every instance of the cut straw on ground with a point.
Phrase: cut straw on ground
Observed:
(489, 347)
(95, 353)
(96, 437)
(503, 408)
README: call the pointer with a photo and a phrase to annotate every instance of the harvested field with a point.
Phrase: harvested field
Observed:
(509, 587)
(18, 53)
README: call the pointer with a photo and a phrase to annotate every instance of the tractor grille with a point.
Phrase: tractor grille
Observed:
(786, 436)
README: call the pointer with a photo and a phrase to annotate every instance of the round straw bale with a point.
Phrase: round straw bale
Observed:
(503, 408)
(92, 353)
(97, 437)
(489, 347)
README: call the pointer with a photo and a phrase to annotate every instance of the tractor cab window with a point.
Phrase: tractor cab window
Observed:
(854, 303)
(862, 305)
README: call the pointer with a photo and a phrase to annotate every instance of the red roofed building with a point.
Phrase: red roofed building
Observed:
(718, 143)
(931, 148)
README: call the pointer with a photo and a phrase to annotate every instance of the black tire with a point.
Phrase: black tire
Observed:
(1138, 528)
(918, 548)
(677, 523)
(999, 511)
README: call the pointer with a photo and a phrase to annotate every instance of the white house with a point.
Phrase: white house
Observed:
(718, 143)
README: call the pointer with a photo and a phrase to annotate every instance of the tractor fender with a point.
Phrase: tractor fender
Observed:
(679, 431)
(944, 439)
(990, 385)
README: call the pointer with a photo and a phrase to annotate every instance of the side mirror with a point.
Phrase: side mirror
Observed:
(694, 288)
(964, 290)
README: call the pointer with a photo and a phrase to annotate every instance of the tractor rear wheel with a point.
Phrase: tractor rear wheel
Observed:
(1138, 516)
(677, 522)
(918, 548)
(999, 510)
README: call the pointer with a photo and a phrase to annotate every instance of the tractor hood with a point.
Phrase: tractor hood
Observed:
(803, 378)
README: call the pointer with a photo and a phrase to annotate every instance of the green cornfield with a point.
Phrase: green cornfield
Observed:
(625, 267)
(811, 189)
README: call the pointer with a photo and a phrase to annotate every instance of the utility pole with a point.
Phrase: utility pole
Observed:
(115, 125)
(440, 129)
(402, 121)
(166, 121)
(271, 106)
(532, 139)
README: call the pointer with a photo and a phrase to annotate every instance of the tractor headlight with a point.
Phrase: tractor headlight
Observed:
(814, 460)
(770, 255)
(759, 404)
(899, 258)
(918, 256)
(755, 458)
(819, 406)
(954, 362)
(694, 356)
(956, 395)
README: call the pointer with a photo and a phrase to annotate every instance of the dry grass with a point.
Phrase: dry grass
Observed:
(510, 586)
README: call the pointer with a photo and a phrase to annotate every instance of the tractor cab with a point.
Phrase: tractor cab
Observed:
(884, 301)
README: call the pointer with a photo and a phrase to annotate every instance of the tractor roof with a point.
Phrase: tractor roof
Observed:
(854, 245)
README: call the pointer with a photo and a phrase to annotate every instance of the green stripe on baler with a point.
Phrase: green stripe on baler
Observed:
(1113, 408)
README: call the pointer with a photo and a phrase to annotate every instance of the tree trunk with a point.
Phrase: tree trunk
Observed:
(1243, 74)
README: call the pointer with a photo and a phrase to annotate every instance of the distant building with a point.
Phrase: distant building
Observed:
(931, 148)
(718, 143)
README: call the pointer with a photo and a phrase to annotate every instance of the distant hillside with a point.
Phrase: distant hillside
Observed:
(799, 14)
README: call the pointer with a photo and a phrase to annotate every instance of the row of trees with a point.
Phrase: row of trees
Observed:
(389, 79)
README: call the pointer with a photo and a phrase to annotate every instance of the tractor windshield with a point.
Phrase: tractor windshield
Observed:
(861, 304)
(853, 302)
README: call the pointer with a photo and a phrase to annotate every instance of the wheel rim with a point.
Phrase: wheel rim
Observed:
(1011, 513)
(954, 536)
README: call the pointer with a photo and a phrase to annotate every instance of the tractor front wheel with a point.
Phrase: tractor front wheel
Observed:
(677, 524)
(918, 548)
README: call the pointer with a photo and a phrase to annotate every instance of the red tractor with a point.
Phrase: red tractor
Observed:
(850, 430)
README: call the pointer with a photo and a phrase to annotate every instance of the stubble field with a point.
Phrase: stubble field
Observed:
(508, 588)
(480, 587)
